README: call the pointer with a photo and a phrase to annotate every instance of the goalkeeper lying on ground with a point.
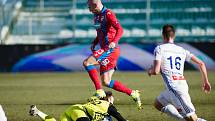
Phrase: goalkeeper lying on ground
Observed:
(94, 110)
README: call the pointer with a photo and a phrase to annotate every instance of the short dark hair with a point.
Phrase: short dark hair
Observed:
(108, 93)
(168, 31)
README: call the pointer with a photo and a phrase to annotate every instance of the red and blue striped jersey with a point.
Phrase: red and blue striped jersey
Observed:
(108, 28)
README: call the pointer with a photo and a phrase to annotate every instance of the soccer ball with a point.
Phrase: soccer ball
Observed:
(107, 118)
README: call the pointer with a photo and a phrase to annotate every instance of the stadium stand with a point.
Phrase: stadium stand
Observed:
(8, 11)
(51, 21)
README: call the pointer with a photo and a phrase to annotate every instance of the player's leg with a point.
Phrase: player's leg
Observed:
(108, 118)
(98, 58)
(2, 114)
(200, 119)
(181, 99)
(114, 84)
(107, 64)
(89, 65)
(191, 118)
(118, 86)
(158, 105)
(189, 115)
(36, 112)
(162, 103)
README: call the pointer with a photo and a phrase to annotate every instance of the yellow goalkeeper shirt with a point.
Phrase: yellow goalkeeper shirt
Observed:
(96, 109)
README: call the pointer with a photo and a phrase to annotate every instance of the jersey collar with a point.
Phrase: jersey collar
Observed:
(103, 9)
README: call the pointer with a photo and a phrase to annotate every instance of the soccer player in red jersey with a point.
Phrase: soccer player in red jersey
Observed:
(109, 31)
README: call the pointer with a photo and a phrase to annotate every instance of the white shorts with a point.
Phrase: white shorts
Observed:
(180, 99)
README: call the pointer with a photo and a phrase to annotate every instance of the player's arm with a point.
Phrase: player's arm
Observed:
(94, 43)
(155, 68)
(202, 68)
(119, 30)
(113, 112)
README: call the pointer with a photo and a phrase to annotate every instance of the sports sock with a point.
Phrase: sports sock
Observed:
(172, 111)
(94, 76)
(42, 115)
(200, 119)
(118, 86)
(2, 114)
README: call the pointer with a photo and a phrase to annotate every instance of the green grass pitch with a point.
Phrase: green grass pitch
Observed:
(53, 92)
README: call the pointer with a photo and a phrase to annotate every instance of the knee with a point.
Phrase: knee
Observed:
(89, 61)
(85, 62)
(106, 82)
(158, 105)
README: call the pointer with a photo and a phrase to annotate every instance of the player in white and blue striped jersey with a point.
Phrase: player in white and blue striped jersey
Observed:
(169, 61)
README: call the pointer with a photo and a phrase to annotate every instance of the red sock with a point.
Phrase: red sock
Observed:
(118, 86)
(94, 76)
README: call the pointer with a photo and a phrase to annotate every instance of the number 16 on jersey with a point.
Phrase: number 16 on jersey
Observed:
(175, 62)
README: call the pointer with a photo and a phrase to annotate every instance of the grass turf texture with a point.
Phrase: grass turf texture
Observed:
(53, 92)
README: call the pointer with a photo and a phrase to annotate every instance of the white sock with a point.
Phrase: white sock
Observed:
(41, 115)
(2, 114)
(172, 111)
(200, 119)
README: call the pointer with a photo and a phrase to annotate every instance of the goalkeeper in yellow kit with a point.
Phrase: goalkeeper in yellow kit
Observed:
(94, 110)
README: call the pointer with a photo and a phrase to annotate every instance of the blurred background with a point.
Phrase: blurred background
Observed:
(51, 36)
(55, 35)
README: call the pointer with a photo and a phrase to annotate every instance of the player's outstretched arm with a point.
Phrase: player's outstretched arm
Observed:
(113, 112)
(206, 86)
(36, 112)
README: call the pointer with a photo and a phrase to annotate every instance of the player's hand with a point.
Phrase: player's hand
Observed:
(150, 71)
(112, 45)
(206, 87)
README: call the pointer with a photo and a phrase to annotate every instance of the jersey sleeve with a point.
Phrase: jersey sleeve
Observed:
(115, 23)
(188, 55)
(113, 112)
(96, 40)
(157, 53)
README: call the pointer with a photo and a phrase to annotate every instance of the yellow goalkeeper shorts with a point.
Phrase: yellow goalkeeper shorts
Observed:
(73, 113)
